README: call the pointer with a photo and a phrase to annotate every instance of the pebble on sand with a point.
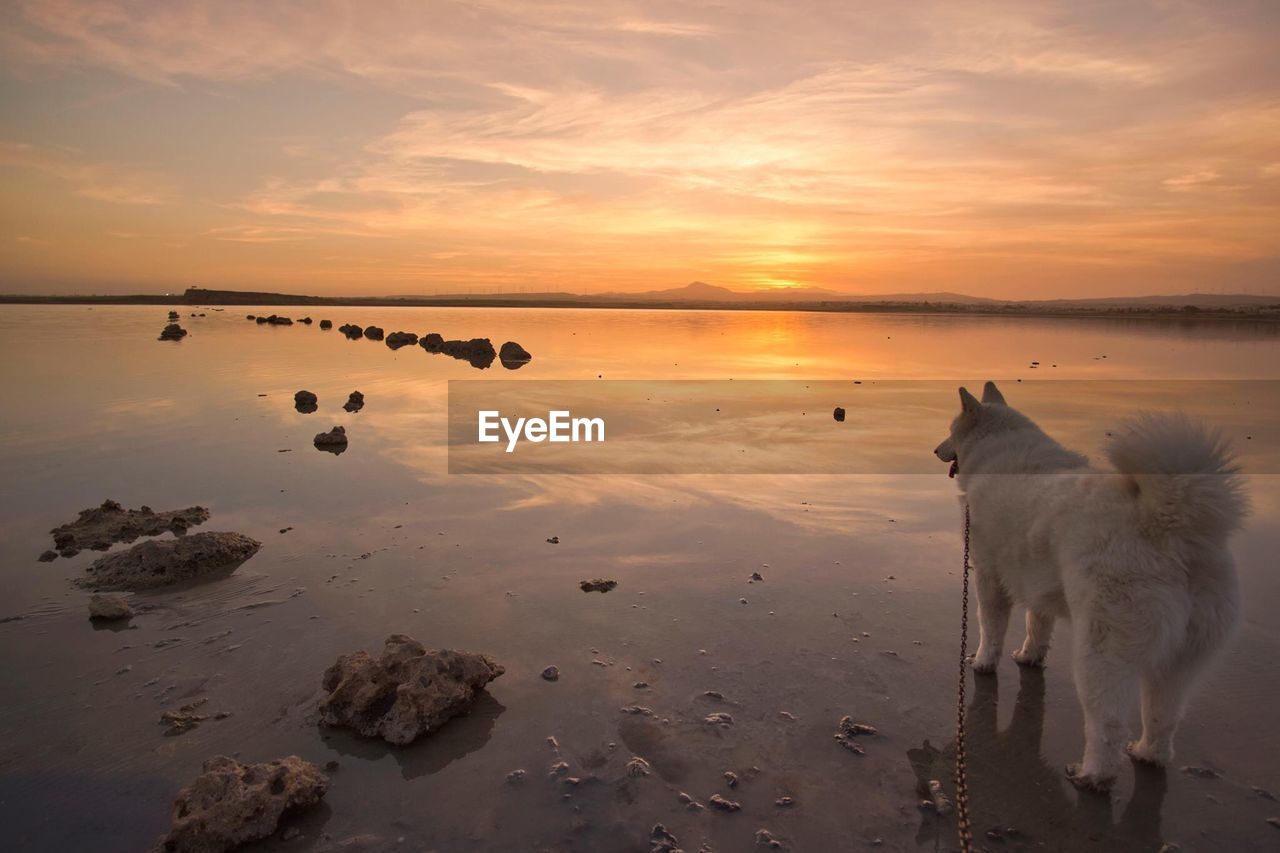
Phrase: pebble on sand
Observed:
(718, 802)
(597, 585)
(109, 607)
(551, 673)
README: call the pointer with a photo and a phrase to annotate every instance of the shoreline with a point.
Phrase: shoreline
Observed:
(1261, 314)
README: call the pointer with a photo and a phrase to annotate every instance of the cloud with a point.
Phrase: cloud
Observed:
(602, 144)
(111, 182)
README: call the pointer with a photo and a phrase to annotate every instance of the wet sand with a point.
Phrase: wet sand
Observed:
(857, 614)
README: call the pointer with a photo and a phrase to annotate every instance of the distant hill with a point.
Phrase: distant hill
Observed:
(701, 295)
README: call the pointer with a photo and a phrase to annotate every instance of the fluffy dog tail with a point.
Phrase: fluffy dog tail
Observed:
(1182, 475)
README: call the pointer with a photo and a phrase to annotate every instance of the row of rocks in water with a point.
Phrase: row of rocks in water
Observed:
(478, 352)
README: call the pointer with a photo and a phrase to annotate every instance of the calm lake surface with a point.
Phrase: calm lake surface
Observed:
(858, 613)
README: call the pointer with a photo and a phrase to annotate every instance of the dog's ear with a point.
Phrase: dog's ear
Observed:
(968, 402)
(991, 394)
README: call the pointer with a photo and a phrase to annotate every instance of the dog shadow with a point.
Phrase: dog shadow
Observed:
(1018, 800)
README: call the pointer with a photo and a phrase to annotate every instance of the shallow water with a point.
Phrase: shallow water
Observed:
(858, 613)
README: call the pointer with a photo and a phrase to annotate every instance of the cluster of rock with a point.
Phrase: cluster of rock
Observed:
(172, 332)
(355, 402)
(406, 692)
(478, 352)
(273, 320)
(100, 527)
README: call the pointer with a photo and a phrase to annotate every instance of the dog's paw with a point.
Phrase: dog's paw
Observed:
(1148, 754)
(983, 665)
(1031, 659)
(1094, 783)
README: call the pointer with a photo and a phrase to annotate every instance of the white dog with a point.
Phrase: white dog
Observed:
(1135, 557)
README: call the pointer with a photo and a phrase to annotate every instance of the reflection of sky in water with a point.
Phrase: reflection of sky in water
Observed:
(95, 407)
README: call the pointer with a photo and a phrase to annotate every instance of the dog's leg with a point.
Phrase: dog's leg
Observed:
(1039, 633)
(1163, 701)
(993, 621)
(1107, 687)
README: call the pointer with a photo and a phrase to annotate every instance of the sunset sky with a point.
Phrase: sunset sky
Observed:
(1020, 149)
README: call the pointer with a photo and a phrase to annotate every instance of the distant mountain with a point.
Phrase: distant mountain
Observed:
(1201, 300)
(700, 291)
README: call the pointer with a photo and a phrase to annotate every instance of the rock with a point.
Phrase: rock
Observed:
(173, 315)
(306, 320)
(513, 356)
(478, 351)
(275, 320)
(661, 841)
(305, 402)
(847, 730)
(326, 324)
(407, 692)
(260, 320)
(160, 562)
(1201, 772)
(1274, 821)
(231, 803)
(939, 799)
(551, 673)
(184, 719)
(785, 802)
(851, 729)
(373, 333)
(108, 607)
(637, 767)
(47, 556)
(731, 778)
(515, 777)
(838, 414)
(718, 718)
(250, 317)
(756, 576)
(553, 540)
(355, 402)
(172, 332)
(100, 527)
(395, 340)
(351, 330)
(597, 585)
(431, 342)
(764, 838)
(334, 441)
(638, 711)
(718, 802)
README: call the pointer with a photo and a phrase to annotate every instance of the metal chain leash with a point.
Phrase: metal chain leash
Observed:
(962, 787)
